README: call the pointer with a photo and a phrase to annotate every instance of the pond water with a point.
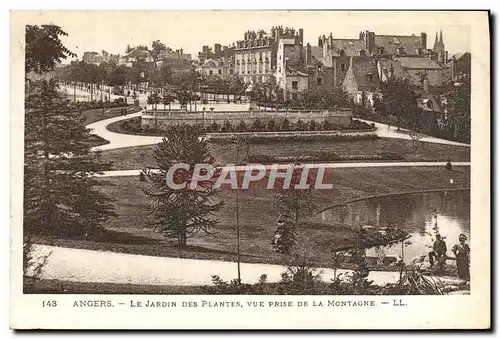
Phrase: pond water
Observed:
(418, 213)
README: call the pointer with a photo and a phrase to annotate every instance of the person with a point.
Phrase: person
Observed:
(438, 252)
(449, 167)
(462, 252)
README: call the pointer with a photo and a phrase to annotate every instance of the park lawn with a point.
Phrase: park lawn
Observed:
(97, 114)
(140, 157)
(130, 233)
(53, 286)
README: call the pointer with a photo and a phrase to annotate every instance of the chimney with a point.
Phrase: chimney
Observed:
(423, 40)
(181, 51)
(320, 42)
(308, 53)
(296, 39)
(278, 33)
(330, 37)
(301, 34)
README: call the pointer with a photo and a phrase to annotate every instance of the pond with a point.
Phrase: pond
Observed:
(417, 213)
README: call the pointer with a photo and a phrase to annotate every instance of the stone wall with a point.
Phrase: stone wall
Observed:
(159, 118)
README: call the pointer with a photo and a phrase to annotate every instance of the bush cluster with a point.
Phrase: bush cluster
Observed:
(85, 105)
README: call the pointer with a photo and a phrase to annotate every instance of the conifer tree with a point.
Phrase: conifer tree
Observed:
(59, 183)
(182, 213)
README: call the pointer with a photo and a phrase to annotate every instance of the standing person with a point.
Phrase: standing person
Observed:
(438, 251)
(462, 253)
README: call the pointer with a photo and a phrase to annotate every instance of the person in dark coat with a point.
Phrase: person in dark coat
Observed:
(462, 253)
(438, 251)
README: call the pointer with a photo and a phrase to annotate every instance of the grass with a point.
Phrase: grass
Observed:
(93, 115)
(129, 233)
(140, 157)
(50, 286)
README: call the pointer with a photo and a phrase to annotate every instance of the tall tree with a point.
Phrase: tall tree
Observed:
(44, 49)
(156, 48)
(457, 124)
(59, 193)
(401, 101)
(182, 213)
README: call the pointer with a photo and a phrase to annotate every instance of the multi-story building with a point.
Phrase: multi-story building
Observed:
(291, 67)
(369, 43)
(255, 55)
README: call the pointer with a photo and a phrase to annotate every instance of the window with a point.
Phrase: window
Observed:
(319, 68)
(294, 96)
(295, 85)
(279, 71)
(220, 72)
(210, 72)
(342, 67)
(230, 71)
(320, 81)
(370, 77)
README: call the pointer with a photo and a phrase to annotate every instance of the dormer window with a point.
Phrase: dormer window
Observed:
(341, 52)
(381, 50)
(319, 68)
(370, 77)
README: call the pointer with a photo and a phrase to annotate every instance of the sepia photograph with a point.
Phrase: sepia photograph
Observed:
(249, 153)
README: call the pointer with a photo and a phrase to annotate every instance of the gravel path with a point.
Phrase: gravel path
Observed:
(72, 264)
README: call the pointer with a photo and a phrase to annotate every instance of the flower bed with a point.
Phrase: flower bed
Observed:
(322, 156)
(259, 132)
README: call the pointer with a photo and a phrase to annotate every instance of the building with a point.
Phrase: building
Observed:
(413, 68)
(459, 66)
(256, 55)
(369, 43)
(361, 80)
(174, 59)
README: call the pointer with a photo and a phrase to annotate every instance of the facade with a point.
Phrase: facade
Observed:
(215, 67)
(255, 55)
(459, 66)
(361, 78)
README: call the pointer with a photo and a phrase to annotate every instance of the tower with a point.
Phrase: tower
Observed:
(439, 44)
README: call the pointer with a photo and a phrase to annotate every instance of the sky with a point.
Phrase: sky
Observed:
(190, 30)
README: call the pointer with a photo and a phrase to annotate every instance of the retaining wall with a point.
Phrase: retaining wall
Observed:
(159, 118)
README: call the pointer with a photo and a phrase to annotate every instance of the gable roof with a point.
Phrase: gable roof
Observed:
(317, 52)
(362, 67)
(418, 63)
(390, 43)
(350, 46)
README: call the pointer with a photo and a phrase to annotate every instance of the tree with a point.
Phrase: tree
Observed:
(167, 99)
(44, 49)
(59, 187)
(457, 124)
(298, 203)
(182, 213)
(401, 101)
(285, 235)
(156, 48)
(118, 76)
